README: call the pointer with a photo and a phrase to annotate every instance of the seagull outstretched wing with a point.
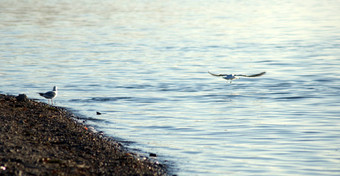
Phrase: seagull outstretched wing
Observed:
(218, 74)
(254, 75)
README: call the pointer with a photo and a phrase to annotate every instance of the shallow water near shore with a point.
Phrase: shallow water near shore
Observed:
(144, 65)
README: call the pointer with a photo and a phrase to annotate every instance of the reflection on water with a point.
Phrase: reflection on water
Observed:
(144, 65)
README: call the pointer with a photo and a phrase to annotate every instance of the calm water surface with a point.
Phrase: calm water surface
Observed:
(143, 64)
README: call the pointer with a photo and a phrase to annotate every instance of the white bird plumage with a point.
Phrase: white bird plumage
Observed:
(50, 94)
(231, 77)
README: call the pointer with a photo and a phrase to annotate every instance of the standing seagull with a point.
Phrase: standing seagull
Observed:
(50, 94)
(236, 76)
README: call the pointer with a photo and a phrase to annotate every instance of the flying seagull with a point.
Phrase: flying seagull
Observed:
(50, 94)
(231, 77)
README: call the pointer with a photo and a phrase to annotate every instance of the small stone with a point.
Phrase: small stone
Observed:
(22, 97)
(152, 155)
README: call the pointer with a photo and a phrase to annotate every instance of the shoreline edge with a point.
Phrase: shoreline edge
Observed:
(40, 139)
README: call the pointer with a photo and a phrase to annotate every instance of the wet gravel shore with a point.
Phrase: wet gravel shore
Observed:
(39, 139)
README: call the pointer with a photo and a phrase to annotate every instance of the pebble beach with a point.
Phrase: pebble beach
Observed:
(39, 139)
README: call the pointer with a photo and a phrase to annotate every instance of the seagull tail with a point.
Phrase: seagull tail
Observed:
(41, 94)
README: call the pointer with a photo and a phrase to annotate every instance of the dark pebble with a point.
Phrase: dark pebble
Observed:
(152, 155)
(22, 97)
